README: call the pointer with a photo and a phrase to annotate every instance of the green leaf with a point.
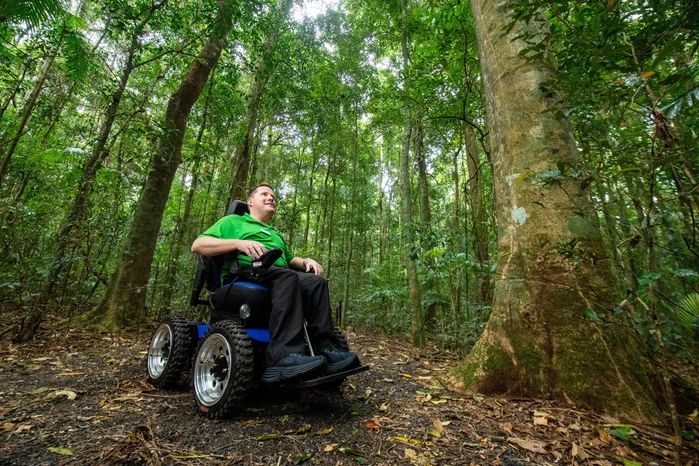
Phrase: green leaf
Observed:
(628, 462)
(644, 280)
(592, 315)
(689, 436)
(302, 458)
(622, 433)
(61, 451)
(269, 436)
(687, 274)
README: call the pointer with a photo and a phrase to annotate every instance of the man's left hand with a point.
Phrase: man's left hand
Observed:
(313, 265)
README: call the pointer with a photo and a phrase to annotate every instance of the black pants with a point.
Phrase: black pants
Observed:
(296, 296)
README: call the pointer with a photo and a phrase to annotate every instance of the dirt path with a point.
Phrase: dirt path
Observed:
(80, 398)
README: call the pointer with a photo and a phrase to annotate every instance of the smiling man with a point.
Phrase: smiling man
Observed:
(295, 295)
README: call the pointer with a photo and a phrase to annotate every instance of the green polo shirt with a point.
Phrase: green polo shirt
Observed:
(247, 228)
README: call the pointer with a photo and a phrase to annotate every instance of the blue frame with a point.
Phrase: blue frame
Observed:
(257, 334)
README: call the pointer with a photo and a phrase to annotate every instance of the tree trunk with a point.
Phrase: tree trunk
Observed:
(417, 324)
(26, 113)
(539, 341)
(241, 157)
(479, 219)
(124, 301)
(349, 242)
(183, 221)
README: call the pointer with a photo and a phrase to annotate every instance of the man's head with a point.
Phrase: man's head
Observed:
(262, 202)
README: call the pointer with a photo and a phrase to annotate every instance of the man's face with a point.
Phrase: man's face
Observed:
(263, 201)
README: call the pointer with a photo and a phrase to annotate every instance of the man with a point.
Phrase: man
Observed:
(295, 295)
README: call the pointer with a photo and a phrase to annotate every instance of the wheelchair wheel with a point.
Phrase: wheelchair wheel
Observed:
(169, 352)
(223, 369)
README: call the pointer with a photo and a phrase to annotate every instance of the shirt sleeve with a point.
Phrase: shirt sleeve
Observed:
(225, 228)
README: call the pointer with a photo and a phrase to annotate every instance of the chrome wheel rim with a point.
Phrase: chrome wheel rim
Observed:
(212, 369)
(159, 351)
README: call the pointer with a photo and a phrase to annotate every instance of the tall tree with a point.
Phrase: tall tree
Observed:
(125, 298)
(554, 270)
(417, 326)
(262, 70)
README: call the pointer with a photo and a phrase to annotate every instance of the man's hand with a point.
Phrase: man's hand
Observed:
(310, 264)
(252, 249)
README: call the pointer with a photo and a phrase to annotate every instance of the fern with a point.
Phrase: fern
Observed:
(76, 52)
(687, 310)
(33, 12)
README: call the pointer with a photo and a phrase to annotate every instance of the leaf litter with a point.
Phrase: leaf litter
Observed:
(402, 411)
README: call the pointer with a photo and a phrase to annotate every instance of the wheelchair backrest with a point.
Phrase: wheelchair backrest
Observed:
(209, 268)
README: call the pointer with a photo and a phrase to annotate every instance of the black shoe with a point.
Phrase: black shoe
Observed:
(339, 361)
(294, 367)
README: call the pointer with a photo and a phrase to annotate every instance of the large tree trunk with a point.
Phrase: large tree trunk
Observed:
(124, 301)
(417, 322)
(263, 66)
(553, 266)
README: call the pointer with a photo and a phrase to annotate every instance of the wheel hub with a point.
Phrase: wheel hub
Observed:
(159, 351)
(212, 369)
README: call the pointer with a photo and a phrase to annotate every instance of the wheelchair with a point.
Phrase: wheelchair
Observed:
(226, 356)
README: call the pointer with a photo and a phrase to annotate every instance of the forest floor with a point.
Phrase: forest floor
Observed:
(78, 397)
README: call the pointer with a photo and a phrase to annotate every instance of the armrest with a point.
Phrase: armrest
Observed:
(268, 258)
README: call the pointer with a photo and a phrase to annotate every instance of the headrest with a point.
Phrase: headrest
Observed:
(238, 208)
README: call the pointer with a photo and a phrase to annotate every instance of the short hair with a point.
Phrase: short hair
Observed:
(252, 191)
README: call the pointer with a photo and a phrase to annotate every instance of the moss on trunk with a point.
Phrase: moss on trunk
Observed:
(553, 266)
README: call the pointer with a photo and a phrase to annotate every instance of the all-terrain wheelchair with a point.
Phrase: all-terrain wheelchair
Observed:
(226, 356)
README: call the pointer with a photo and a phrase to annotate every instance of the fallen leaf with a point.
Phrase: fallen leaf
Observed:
(61, 450)
(579, 452)
(8, 426)
(269, 436)
(438, 402)
(71, 395)
(435, 433)
(372, 424)
(407, 376)
(69, 374)
(622, 433)
(540, 419)
(383, 407)
(534, 446)
(329, 447)
(694, 415)
(410, 453)
(303, 429)
(507, 427)
(647, 74)
(367, 393)
(22, 428)
(439, 427)
(351, 451)
(604, 434)
(388, 380)
(324, 431)
(302, 458)
(255, 410)
(628, 462)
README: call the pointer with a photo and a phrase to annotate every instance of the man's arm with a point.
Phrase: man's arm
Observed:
(211, 246)
(308, 264)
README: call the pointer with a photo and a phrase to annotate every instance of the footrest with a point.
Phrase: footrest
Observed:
(326, 378)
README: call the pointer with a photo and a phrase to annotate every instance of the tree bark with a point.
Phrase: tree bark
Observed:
(124, 301)
(553, 267)
(479, 219)
(417, 323)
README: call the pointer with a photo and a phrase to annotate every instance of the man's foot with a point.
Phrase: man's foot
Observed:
(339, 361)
(294, 367)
